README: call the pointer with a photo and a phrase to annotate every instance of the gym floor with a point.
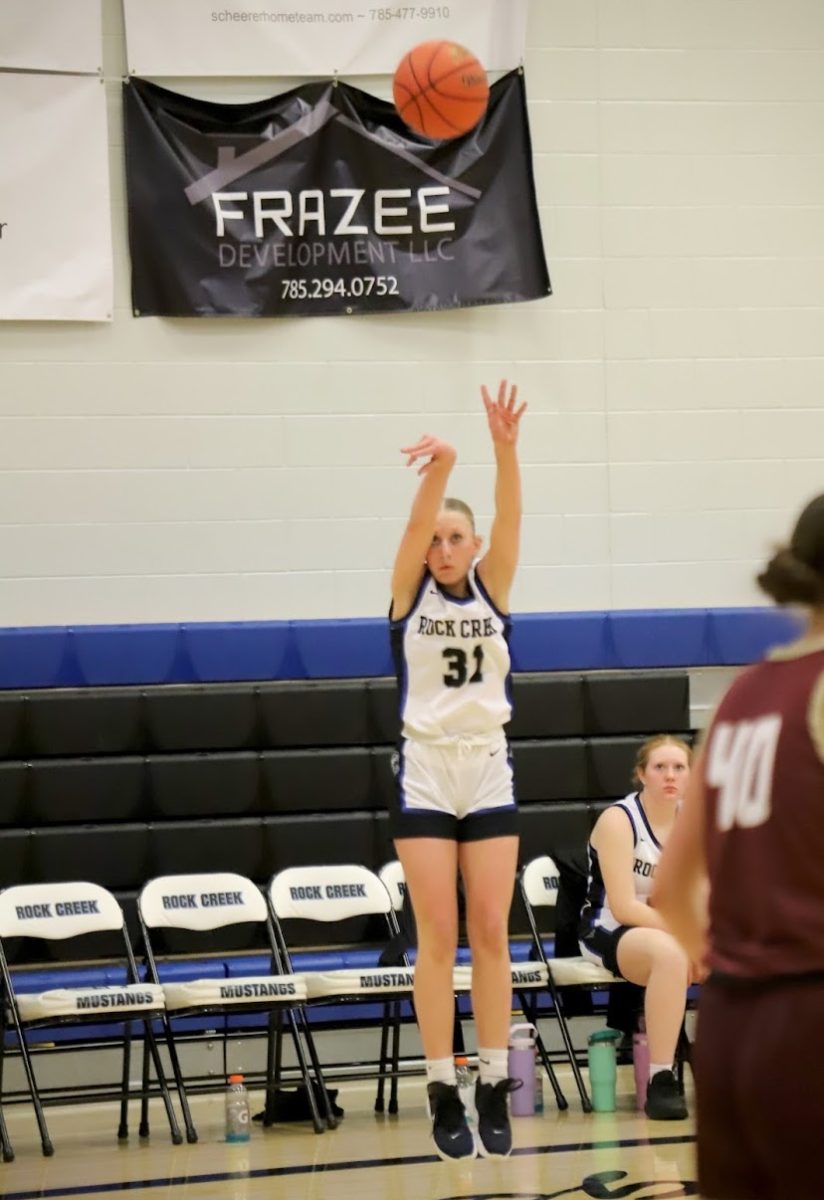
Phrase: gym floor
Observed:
(571, 1154)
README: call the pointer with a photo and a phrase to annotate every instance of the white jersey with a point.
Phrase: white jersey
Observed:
(453, 665)
(647, 852)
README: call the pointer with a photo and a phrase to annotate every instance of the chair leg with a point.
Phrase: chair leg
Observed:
(143, 1131)
(274, 1042)
(683, 1051)
(586, 1103)
(45, 1139)
(123, 1127)
(191, 1132)
(379, 1103)
(530, 1011)
(298, 1022)
(5, 1143)
(396, 1049)
(458, 1046)
(160, 1075)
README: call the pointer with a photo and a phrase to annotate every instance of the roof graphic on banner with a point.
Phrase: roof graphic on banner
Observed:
(232, 166)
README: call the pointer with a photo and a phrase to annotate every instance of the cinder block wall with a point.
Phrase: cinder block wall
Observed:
(165, 470)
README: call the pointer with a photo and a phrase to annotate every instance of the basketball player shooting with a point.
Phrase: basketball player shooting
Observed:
(455, 805)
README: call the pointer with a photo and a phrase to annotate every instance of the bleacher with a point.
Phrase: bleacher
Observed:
(139, 751)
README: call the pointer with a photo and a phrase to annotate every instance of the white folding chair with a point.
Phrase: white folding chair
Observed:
(330, 894)
(539, 883)
(527, 978)
(206, 903)
(56, 911)
(392, 877)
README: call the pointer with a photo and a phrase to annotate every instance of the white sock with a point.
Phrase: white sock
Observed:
(441, 1070)
(654, 1068)
(492, 1065)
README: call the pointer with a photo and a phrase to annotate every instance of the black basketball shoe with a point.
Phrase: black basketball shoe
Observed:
(494, 1130)
(453, 1137)
(664, 1101)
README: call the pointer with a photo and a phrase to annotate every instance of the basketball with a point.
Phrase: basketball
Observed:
(440, 89)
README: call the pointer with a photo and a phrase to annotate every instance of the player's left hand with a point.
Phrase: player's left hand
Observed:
(502, 415)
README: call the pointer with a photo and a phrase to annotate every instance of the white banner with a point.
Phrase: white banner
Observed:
(51, 35)
(312, 38)
(55, 220)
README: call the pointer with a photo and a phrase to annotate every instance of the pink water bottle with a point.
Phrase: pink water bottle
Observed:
(640, 1063)
(521, 1066)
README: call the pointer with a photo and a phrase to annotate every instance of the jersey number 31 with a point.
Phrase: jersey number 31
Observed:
(458, 673)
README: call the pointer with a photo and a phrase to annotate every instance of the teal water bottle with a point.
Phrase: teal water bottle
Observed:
(603, 1068)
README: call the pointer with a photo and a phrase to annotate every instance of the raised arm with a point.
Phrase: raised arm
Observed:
(417, 537)
(612, 839)
(679, 891)
(498, 565)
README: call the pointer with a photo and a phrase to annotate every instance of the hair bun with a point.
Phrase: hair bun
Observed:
(788, 580)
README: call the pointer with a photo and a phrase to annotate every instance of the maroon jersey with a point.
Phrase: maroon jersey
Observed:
(764, 769)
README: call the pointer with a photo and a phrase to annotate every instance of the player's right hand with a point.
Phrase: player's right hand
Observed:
(432, 449)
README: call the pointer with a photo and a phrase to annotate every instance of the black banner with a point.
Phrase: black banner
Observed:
(321, 201)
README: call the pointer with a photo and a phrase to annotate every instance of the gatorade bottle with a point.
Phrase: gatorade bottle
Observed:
(466, 1086)
(603, 1068)
(238, 1127)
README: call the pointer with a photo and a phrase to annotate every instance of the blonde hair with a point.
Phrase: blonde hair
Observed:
(649, 747)
(450, 504)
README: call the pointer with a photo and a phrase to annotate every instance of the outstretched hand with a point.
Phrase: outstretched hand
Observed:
(430, 448)
(502, 415)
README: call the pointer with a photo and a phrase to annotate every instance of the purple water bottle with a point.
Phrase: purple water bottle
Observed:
(521, 1066)
(640, 1063)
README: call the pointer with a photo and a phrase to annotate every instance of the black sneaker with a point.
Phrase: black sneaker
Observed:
(453, 1137)
(664, 1101)
(494, 1130)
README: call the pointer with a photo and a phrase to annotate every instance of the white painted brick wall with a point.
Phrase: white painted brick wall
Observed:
(181, 470)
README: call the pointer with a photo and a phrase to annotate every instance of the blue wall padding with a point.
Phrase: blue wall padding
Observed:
(659, 638)
(340, 649)
(730, 641)
(34, 657)
(237, 651)
(126, 654)
(560, 642)
(100, 655)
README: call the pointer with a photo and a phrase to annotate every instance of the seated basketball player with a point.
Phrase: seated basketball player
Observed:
(620, 931)
(455, 808)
